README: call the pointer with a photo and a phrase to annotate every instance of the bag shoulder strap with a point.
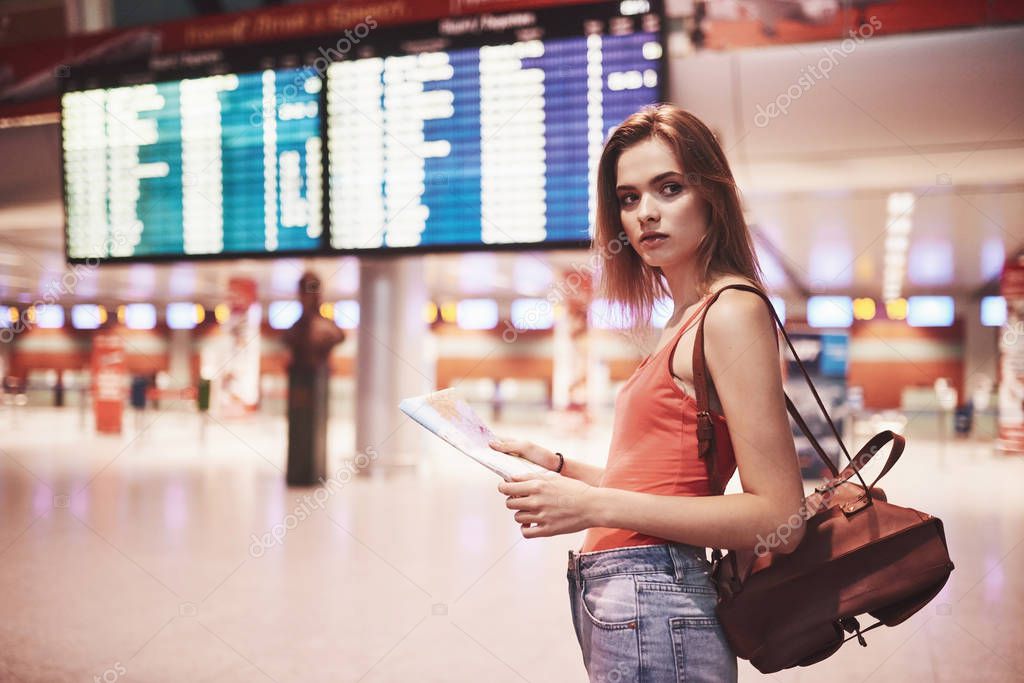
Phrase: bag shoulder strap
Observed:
(701, 380)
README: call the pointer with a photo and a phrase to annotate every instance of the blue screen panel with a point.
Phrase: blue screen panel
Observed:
(477, 146)
(224, 164)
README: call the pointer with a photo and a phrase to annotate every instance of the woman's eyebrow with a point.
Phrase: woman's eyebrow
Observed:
(655, 179)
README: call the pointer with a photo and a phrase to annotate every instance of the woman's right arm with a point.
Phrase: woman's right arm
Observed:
(574, 469)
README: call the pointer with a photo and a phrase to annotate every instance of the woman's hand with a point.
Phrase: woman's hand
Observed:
(552, 504)
(538, 455)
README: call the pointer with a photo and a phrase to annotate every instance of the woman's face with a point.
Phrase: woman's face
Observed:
(663, 218)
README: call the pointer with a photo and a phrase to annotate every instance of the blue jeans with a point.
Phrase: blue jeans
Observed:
(647, 614)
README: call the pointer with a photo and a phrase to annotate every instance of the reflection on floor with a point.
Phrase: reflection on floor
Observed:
(162, 555)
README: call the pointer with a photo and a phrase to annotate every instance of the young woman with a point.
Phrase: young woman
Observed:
(643, 604)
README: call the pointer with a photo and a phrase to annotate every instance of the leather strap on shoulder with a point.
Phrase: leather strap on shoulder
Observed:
(701, 384)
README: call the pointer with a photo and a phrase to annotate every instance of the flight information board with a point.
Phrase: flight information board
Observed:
(470, 132)
(222, 164)
(485, 145)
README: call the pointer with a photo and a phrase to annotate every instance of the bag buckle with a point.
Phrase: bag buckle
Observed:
(851, 625)
(826, 487)
(857, 505)
(705, 434)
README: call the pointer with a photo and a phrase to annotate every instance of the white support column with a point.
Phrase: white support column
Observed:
(5, 350)
(391, 361)
(179, 361)
(981, 365)
(981, 346)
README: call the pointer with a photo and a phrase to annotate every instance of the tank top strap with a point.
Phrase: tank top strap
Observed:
(678, 333)
(691, 320)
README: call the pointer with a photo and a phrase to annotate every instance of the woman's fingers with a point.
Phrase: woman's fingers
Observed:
(521, 503)
(510, 446)
(504, 445)
(525, 517)
(535, 531)
(519, 487)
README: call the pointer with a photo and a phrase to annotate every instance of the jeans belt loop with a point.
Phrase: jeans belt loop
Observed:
(678, 563)
(574, 563)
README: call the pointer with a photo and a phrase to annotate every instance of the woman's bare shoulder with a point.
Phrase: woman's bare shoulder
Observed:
(726, 280)
(736, 311)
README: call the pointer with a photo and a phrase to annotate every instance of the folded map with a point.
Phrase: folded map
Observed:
(451, 418)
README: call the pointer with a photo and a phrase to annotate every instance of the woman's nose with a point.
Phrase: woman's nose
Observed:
(647, 210)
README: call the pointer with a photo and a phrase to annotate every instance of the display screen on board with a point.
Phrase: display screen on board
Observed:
(470, 132)
(486, 144)
(222, 164)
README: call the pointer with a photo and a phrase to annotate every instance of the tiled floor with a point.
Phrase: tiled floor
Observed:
(142, 557)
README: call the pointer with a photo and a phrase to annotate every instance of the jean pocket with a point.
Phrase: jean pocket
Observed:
(693, 587)
(701, 651)
(610, 601)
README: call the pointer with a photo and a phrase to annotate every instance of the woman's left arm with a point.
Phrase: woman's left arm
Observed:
(743, 361)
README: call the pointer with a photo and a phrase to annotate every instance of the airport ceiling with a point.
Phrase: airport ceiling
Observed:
(938, 115)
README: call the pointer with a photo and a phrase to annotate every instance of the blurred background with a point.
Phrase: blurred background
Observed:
(172, 168)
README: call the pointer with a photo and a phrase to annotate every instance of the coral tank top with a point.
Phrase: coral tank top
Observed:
(654, 442)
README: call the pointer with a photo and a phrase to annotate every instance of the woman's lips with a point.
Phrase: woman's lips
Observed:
(653, 240)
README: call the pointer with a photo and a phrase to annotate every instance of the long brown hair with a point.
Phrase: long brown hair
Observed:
(726, 249)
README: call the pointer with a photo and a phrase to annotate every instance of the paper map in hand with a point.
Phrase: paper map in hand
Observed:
(452, 419)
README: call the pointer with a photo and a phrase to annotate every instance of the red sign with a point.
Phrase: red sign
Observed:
(241, 294)
(29, 87)
(232, 359)
(109, 373)
(1011, 360)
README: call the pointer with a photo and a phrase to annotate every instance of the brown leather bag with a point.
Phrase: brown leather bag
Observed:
(859, 554)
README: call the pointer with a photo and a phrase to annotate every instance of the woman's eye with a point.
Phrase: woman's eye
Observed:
(672, 188)
(627, 199)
